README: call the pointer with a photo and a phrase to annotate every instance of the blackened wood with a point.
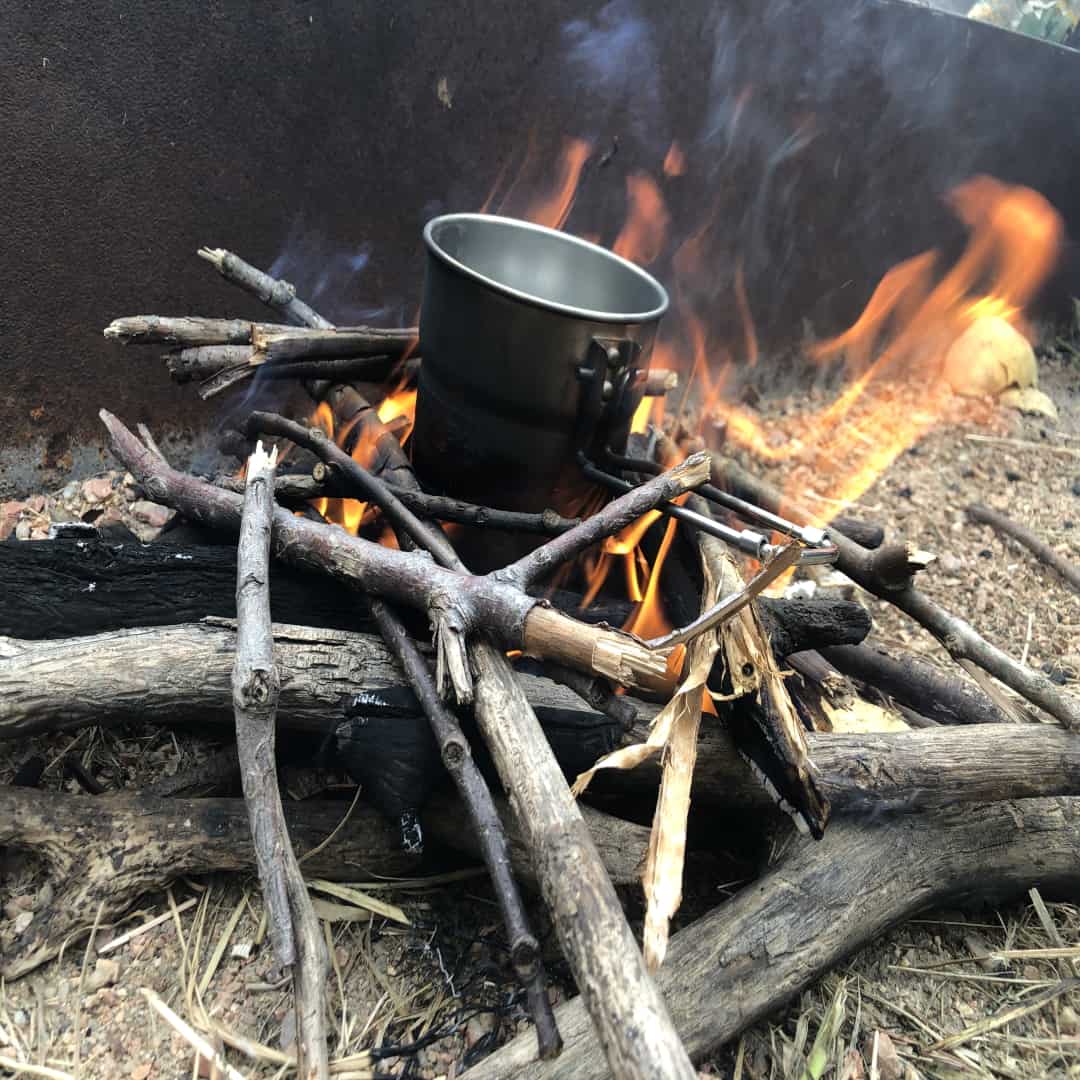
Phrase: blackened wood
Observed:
(1024, 536)
(64, 588)
(819, 904)
(917, 684)
(487, 826)
(111, 849)
(960, 640)
(185, 331)
(796, 625)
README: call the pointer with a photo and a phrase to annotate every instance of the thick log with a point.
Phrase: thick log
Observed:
(64, 588)
(182, 674)
(108, 850)
(818, 905)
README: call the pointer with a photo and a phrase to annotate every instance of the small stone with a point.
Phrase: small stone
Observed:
(9, 517)
(17, 905)
(888, 1060)
(950, 564)
(70, 492)
(151, 514)
(1076, 486)
(106, 972)
(986, 553)
(23, 530)
(141, 1072)
(1012, 477)
(36, 503)
(1069, 1020)
(904, 492)
(97, 489)
(22, 921)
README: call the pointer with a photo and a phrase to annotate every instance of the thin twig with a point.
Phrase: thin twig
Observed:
(293, 925)
(271, 291)
(1024, 536)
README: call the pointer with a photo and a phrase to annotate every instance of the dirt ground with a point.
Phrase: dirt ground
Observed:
(428, 991)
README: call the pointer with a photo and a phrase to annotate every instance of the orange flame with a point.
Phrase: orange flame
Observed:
(552, 208)
(895, 350)
(642, 237)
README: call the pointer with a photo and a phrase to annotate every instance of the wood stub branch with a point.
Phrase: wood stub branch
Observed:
(958, 637)
(1025, 537)
(917, 684)
(294, 929)
(273, 292)
(105, 851)
(487, 826)
(819, 904)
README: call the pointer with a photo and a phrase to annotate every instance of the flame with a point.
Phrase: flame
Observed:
(352, 514)
(642, 237)
(894, 352)
(553, 207)
(674, 161)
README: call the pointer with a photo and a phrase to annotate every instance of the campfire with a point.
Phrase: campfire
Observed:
(524, 531)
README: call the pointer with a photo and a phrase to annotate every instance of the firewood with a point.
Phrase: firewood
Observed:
(294, 930)
(271, 291)
(962, 642)
(820, 903)
(458, 603)
(632, 1023)
(108, 850)
(65, 588)
(181, 675)
(917, 684)
(487, 827)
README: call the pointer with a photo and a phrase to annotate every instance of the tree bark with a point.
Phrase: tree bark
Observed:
(110, 849)
(821, 903)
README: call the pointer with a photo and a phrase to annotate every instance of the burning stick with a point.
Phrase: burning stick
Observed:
(959, 638)
(294, 928)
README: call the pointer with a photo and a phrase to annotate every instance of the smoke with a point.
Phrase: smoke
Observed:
(614, 55)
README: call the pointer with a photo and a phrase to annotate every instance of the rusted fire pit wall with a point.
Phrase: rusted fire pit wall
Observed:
(820, 136)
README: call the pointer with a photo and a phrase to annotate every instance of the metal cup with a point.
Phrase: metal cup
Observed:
(535, 345)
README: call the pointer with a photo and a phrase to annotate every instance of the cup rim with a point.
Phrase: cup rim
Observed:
(616, 317)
